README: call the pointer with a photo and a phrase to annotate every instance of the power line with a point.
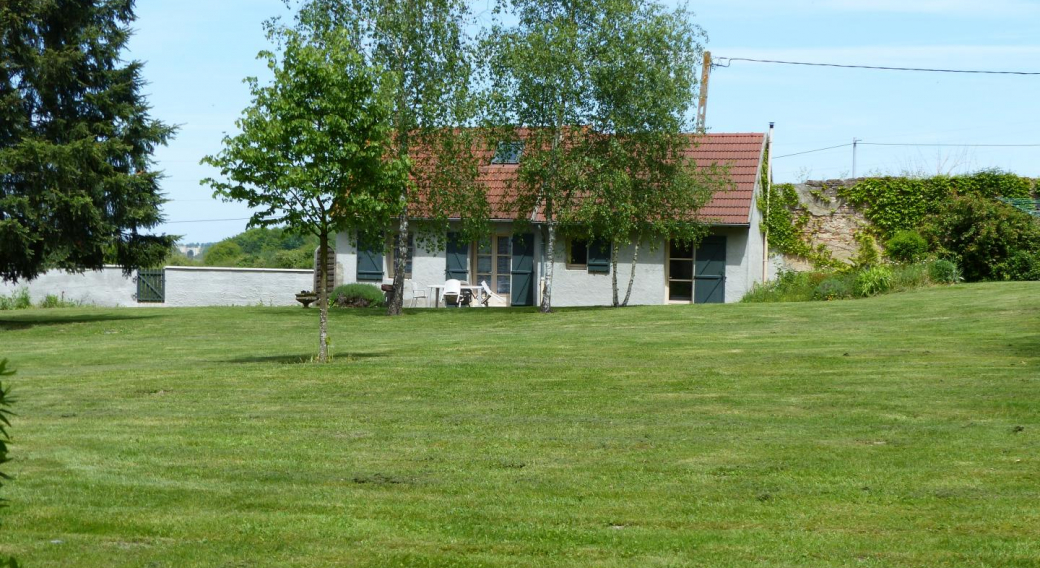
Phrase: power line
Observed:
(877, 67)
(937, 145)
(954, 145)
(811, 151)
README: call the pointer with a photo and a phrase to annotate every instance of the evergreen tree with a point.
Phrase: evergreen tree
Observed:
(76, 186)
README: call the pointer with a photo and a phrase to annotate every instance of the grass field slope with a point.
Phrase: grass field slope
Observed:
(901, 430)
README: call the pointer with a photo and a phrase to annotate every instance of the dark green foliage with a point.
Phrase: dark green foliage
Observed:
(76, 186)
(1021, 265)
(895, 203)
(872, 281)
(981, 235)
(906, 246)
(944, 271)
(357, 296)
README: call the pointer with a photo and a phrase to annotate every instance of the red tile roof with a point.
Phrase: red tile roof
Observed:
(742, 153)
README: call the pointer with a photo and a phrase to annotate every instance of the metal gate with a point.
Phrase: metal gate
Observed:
(151, 285)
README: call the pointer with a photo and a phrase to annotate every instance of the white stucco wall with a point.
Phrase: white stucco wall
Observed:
(581, 288)
(106, 287)
(428, 267)
(212, 286)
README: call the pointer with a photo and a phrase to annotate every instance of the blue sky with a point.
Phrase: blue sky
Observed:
(197, 53)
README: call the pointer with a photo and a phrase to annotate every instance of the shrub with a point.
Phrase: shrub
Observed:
(357, 296)
(1022, 265)
(944, 272)
(868, 250)
(834, 288)
(906, 246)
(18, 300)
(872, 281)
(982, 236)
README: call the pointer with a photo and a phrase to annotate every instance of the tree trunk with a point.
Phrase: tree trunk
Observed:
(323, 298)
(546, 306)
(393, 307)
(632, 275)
(613, 271)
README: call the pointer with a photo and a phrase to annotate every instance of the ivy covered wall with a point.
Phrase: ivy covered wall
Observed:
(821, 224)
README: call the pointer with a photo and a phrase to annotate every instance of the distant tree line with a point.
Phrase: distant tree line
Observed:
(260, 247)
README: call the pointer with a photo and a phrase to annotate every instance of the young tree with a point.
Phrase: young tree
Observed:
(314, 152)
(421, 46)
(641, 187)
(76, 186)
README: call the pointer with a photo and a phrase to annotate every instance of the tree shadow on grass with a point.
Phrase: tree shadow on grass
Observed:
(301, 358)
(48, 317)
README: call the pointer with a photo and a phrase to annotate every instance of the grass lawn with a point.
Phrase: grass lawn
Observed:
(902, 430)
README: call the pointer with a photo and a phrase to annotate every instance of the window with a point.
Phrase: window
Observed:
(408, 259)
(508, 153)
(577, 254)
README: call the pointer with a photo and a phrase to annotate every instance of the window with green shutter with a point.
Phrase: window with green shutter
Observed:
(457, 262)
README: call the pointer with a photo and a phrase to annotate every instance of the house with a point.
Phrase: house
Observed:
(722, 268)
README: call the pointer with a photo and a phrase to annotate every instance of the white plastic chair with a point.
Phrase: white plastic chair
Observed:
(486, 294)
(419, 292)
(452, 293)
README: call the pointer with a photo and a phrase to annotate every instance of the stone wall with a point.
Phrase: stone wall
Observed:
(833, 222)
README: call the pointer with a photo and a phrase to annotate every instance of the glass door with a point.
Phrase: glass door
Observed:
(680, 272)
(493, 262)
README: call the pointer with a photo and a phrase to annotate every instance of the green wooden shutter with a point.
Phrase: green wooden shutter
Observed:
(599, 257)
(709, 276)
(370, 258)
(522, 274)
(457, 263)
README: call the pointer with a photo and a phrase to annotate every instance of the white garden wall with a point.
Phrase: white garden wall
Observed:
(205, 286)
(185, 287)
(106, 287)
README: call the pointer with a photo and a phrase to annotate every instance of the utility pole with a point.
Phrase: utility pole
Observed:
(702, 104)
(855, 141)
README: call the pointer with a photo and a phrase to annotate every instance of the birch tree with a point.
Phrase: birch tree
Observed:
(641, 187)
(539, 89)
(422, 47)
(600, 90)
(315, 149)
